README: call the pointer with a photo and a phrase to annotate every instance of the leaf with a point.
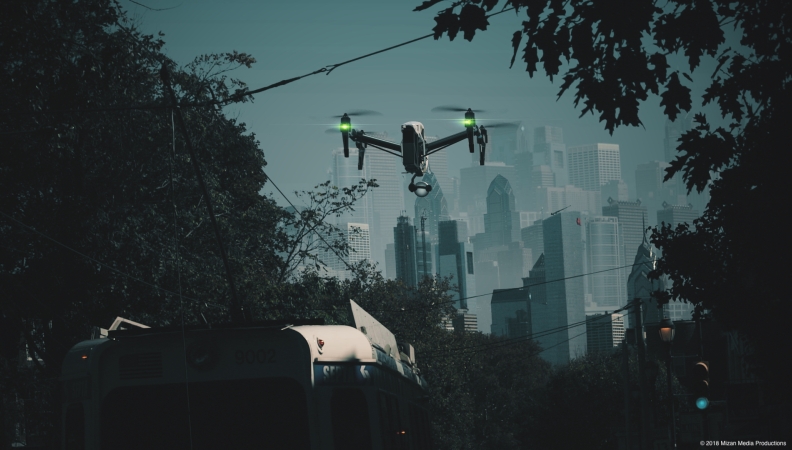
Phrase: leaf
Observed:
(472, 18)
(447, 22)
(516, 39)
(675, 97)
(426, 5)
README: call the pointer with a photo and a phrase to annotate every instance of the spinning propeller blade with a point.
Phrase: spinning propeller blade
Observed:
(358, 113)
(454, 109)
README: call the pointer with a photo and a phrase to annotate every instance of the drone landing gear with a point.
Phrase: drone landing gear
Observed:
(361, 146)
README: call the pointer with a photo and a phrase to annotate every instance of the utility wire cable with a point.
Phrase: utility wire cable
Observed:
(543, 333)
(235, 97)
(340, 258)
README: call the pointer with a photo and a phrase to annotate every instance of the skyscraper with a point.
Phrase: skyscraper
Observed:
(564, 260)
(387, 200)
(404, 245)
(591, 166)
(640, 286)
(551, 199)
(502, 221)
(615, 189)
(357, 236)
(673, 131)
(434, 207)
(675, 215)
(456, 259)
(503, 142)
(532, 238)
(344, 173)
(633, 219)
(606, 261)
(474, 184)
(653, 191)
(549, 150)
(523, 182)
(510, 313)
(604, 332)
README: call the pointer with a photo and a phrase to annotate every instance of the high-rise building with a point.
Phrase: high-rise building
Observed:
(357, 236)
(404, 245)
(606, 264)
(523, 182)
(551, 199)
(387, 200)
(542, 176)
(464, 322)
(615, 189)
(653, 191)
(344, 173)
(502, 221)
(633, 219)
(591, 166)
(510, 313)
(549, 150)
(456, 260)
(640, 286)
(527, 218)
(424, 255)
(532, 238)
(474, 185)
(564, 260)
(433, 207)
(390, 261)
(604, 332)
(503, 142)
(673, 131)
(675, 215)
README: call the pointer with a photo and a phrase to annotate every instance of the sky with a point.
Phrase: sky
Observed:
(290, 39)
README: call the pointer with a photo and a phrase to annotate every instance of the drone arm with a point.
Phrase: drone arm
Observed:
(386, 151)
(376, 142)
(445, 142)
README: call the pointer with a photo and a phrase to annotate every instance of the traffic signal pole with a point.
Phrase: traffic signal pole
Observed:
(639, 339)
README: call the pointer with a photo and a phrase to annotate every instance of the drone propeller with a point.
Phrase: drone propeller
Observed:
(337, 130)
(500, 125)
(454, 109)
(358, 113)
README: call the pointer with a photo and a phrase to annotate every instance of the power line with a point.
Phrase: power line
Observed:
(233, 98)
(544, 333)
(340, 258)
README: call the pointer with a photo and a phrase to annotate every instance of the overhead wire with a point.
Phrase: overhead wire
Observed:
(330, 247)
(544, 333)
(234, 97)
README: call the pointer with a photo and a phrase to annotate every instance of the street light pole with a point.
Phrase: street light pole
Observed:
(667, 335)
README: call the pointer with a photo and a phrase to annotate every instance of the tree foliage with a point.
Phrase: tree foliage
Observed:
(614, 54)
(101, 211)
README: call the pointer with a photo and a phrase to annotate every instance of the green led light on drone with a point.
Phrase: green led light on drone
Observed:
(344, 126)
(468, 121)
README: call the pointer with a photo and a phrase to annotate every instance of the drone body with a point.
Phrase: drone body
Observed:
(413, 149)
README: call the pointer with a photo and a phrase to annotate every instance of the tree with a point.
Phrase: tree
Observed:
(614, 54)
(101, 211)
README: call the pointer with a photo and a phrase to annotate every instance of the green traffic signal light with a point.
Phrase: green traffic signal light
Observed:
(700, 384)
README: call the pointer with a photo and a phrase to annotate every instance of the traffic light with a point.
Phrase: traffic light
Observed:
(700, 387)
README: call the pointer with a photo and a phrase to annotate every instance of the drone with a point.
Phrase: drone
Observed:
(413, 149)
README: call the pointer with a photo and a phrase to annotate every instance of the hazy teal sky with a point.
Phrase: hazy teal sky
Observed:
(290, 39)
